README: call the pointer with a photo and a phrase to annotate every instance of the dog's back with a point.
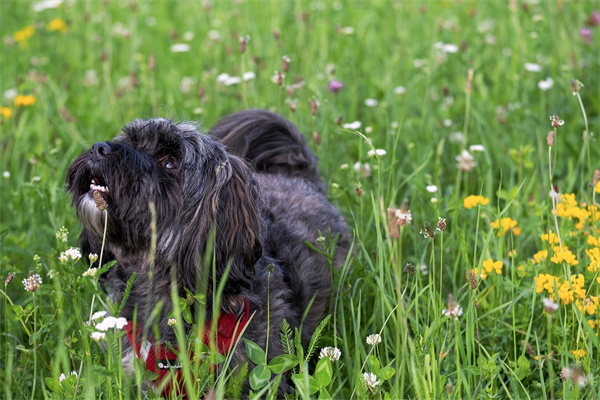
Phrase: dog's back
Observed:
(269, 142)
(295, 207)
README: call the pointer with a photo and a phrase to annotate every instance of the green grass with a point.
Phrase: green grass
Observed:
(504, 345)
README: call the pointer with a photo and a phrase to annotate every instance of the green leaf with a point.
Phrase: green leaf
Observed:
(374, 365)
(54, 385)
(523, 368)
(324, 394)
(323, 372)
(299, 381)
(255, 353)
(259, 377)
(282, 363)
(387, 373)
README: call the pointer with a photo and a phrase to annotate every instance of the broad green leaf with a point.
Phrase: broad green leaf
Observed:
(324, 394)
(259, 377)
(282, 363)
(54, 385)
(523, 368)
(255, 353)
(299, 381)
(323, 372)
(374, 365)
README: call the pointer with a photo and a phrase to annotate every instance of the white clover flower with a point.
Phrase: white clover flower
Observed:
(180, 48)
(399, 90)
(91, 78)
(379, 152)
(45, 4)
(248, 75)
(374, 339)
(546, 84)
(62, 377)
(477, 147)
(550, 305)
(97, 336)
(221, 78)
(532, 67)
(333, 353)
(431, 188)
(371, 380)
(363, 169)
(347, 30)
(344, 166)
(447, 122)
(32, 282)
(465, 161)
(90, 272)
(371, 102)
(6, 174)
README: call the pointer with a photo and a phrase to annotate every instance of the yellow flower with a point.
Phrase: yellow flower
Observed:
(482, 274)
(490, 265)
(563, 255)
(506, 224)
(540, 255)
(550, 237)
(594, 255)
(57, 25)
(24, 100)
(593, 323)
(473, 201)
(579, 353)
(597, 188)
(24, 34)
(6, 112)
(592, 241)
(521, 271)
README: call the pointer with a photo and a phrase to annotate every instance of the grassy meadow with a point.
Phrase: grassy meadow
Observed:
(458, 138)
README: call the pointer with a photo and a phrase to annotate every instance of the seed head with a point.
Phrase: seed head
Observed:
(550, 138)
(596, 178)
(393, 222)
(576, 86)
(408, 268)
(556, 121)
(9, 278)
(471, 279)
(286, 63)
(100, 202)
(441, 225)
(427, 231)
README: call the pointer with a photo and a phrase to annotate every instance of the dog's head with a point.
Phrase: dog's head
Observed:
(196, 188)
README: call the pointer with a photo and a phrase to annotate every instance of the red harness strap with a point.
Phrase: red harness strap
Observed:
(160, 359)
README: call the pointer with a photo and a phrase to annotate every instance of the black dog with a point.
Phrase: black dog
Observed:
(251, 185)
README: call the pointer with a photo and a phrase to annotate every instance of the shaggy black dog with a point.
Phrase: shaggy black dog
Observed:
(251, 185)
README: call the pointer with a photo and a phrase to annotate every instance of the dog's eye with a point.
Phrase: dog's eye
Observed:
(167, 163)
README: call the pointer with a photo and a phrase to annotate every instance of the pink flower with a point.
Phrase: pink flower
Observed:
(335, 86)
(586, 35)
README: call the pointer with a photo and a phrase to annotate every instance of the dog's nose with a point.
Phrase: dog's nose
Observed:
(101, 150)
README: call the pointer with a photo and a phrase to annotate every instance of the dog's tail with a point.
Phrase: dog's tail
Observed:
(269, 142)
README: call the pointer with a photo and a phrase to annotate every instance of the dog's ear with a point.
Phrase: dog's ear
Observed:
(229, 207)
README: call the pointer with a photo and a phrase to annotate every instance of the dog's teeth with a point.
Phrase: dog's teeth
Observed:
(93, 181)
(99, 188)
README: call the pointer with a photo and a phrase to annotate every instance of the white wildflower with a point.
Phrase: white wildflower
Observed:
(371, 380)
(62, 377)
(70, 254)
(111, 322)
(352, 125)
(399, 90)
(6, 174)
(248, 75)
(180, 48)
(363, 169)
(171, 321)
(32, 282)
(532, 67)
(546, 84)
(431, 188)
(379, 152)
(97, 336)
(98, 315)
(374, 339)
(465, 161)
(333, 353)
(371, 102)
(90, 272)
(477, 147)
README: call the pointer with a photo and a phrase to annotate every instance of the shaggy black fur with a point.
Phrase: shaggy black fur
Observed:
(252, 181)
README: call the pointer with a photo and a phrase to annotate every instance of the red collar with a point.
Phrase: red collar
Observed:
(160, 359)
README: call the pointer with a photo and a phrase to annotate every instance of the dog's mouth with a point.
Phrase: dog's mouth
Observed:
(98, 185)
